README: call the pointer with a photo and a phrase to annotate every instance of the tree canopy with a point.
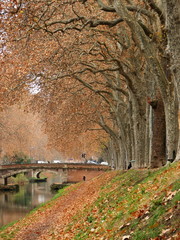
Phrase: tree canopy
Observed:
(100, 73)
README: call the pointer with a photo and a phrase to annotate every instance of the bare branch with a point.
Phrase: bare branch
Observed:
(105, 7)
(157, 10)
(129, 7)
(103, 22)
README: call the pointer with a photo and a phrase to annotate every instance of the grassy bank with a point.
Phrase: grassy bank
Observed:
(136, 204)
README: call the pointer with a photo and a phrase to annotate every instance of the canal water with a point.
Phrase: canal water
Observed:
(15, 205)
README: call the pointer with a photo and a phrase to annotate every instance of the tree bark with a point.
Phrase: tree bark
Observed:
(173, 32)
(158, 157)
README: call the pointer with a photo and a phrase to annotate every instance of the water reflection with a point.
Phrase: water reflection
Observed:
(14, 205)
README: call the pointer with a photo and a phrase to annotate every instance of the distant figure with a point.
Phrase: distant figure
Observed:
(84, 178)
(130, 165)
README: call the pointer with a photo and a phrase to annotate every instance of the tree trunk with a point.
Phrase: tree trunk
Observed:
(158, 157)
(148, 137)
(173, 33)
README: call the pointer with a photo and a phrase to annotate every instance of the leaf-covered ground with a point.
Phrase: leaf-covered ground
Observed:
(135, 204)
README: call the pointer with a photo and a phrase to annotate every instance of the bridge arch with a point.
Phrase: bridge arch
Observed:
(62, 173)
(37, 172)
(4, 177)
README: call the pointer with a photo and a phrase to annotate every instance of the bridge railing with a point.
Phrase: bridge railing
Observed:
(55, 165)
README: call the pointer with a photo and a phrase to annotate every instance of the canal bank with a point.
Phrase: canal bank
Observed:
(136, 204)
(16, 204)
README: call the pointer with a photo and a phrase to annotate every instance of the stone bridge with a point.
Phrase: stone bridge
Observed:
(69, 172)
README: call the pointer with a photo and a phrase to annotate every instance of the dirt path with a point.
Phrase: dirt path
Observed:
(50, 224)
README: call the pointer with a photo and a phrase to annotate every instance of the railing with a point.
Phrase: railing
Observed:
(54, 165)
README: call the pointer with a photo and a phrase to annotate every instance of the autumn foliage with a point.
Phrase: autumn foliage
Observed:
(91, 66)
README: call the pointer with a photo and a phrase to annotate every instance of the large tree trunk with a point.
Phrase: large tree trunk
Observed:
(173, 33)
(171, 128)
(158, 155)
(138, 126)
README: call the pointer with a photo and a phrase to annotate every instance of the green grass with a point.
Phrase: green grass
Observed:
(157, 219)
(176, 185)
(7, 225)
(11, 234)
(131, 191)
(139, 203)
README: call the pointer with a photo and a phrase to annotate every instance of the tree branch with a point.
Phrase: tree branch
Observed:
(130, 8)
(157, 10)
(103, 22)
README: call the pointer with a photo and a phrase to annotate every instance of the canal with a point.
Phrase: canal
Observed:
(15, 205)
